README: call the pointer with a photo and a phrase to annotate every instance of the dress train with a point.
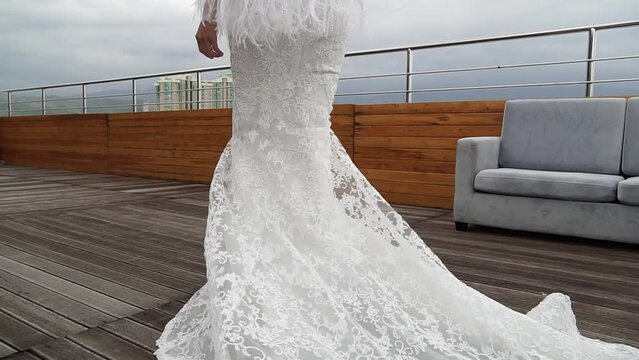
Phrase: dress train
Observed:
(306, 260)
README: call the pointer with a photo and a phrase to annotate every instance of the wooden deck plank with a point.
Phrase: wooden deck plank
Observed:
(6, 350)
(586, 286)
(139, 334)
(180, 259)
(77, 292)
(100, 279)
(523, 301)
(142, 220)
(627, 254)
(71, 309)
(524, 281)
(171, 308)
(116, 272)
(101, 250)
(38, 316)
(185, 210)
(622, 271)
(110, 346)
(85, 278)
(131, 227)
(152, 318)
(63, 349)
(22, 355)
(68, 197)
(18, 334)
(176, 225)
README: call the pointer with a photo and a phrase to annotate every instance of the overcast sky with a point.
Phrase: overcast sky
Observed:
(55, 41)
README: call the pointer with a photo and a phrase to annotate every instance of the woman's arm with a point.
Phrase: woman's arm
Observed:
(206, 34)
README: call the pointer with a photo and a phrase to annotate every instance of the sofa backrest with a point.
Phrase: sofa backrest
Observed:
(630, 162)
(580, 135)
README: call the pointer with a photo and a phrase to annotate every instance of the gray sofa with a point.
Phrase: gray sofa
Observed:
(561, 166)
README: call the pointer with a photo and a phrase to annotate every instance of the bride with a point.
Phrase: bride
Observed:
(305, 259)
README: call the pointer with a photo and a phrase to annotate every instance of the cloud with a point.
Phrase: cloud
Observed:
(67, 40)
(47, 42)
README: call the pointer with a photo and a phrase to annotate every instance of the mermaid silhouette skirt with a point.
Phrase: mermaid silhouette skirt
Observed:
(305, 259)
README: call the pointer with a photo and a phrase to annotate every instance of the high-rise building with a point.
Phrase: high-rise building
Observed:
(218, 93)
(179, 92)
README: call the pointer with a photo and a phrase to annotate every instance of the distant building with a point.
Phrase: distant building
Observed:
(149, 106)
(179, 92)
(218, 93)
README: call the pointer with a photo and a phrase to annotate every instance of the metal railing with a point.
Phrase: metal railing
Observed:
(409, 51)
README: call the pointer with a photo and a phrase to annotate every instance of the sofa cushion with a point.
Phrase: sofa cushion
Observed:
(630, 166)
(628, 191)
(574, 135)
(549, 184)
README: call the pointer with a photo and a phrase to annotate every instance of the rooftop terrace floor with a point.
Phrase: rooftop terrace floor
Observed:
(93, 266)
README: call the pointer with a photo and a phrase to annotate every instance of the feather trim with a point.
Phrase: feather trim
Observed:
(262, 21)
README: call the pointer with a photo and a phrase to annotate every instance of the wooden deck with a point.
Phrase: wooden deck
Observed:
(92, 266)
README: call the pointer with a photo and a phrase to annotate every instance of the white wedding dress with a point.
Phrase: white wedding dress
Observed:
(305, 260)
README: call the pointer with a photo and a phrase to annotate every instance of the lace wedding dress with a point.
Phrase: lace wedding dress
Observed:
(305, 259)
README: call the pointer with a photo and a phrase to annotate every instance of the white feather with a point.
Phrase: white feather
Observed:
(263, 21)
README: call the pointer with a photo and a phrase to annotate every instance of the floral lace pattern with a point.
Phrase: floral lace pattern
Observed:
(306, 260)
(261, 22)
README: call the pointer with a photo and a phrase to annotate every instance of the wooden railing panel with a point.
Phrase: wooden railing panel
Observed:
(71, 142)
(342, 118)
(407, 151)
(178, 145)
(185, 145)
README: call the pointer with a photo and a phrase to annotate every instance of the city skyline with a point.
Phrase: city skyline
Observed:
(179, 92)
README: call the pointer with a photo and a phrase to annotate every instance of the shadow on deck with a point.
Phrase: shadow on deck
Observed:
(93, 266)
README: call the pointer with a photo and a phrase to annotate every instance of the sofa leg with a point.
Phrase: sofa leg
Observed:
(461, 226)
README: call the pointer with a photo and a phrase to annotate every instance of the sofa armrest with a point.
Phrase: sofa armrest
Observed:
(474, 154)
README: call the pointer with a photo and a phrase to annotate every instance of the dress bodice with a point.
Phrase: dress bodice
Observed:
(263, 22)
(289, 90)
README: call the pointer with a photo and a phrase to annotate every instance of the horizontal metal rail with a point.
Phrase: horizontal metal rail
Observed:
(473, 41)
(409, 74)
(161, 92)
(491, 67)
(487, 87)
(127, 78)
(129, 105)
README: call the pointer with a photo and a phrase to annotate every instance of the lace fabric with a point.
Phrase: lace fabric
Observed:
(306, 260)
(261, 22)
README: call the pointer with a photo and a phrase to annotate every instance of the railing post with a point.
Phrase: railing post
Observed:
(84, 98)
(134, 100)
(44, 102)
(592, 53)
(409, 77)
(8, 103)
(198, 80)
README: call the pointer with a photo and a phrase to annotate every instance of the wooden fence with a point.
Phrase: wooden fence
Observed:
(407, 151)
